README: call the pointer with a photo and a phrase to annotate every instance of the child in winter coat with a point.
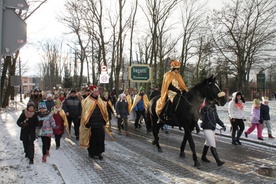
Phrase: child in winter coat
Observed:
(256, 120)
(28, 121)
(46, 123)
(61, 122)
(266, 116)
(122, 113)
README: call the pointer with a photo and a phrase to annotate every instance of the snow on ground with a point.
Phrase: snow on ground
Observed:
(14, 168)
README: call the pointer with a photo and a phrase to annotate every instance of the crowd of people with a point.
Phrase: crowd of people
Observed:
(51, 114)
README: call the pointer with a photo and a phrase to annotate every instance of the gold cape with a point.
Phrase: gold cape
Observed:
(177, 81)
(137, 98)
(88, 107)
(65, 122)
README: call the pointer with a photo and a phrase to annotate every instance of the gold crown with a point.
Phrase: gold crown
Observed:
(175, 64)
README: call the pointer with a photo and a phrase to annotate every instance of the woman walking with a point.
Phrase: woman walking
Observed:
(28, 121)
(209, 120)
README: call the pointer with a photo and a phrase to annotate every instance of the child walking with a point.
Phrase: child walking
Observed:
(266, 117)
(122, 113)
(256, 120)
(60, 120)
(46, 123)
(28, 121)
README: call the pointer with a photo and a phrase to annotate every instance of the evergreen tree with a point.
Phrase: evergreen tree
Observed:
(67, 80)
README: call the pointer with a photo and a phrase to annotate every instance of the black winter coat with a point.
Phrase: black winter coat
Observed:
(154, 93)
(27, 132)
(265, 112)
(73, 106)
(122, 108)
(210, 117)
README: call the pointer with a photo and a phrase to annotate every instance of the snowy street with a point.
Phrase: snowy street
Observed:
(134, 159)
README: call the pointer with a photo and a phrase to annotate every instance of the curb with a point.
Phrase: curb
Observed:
(250, 140)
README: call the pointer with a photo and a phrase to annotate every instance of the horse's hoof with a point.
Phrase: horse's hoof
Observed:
(182, 155)
(153, 142)
(197, 164)
(160, 150)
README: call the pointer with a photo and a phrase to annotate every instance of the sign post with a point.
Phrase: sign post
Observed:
(13, 30)
(139, 73)
(104, 77)
(261, 81)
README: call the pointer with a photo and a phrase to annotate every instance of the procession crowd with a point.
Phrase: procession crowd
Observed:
(52, 113)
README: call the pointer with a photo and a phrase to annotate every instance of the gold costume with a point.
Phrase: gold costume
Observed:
(137, 98)
(88, 107)
(65, 121)
(177, 81)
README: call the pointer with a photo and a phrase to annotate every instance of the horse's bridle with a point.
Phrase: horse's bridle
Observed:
(207, 89)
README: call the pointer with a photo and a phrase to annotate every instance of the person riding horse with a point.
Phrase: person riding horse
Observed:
(172, 85)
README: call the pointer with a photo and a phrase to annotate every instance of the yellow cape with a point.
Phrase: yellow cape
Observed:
(88, 107)
(167, 79)
(137, 98)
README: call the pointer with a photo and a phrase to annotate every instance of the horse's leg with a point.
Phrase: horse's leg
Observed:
(183, 145)
(192, 146)
(155, 131)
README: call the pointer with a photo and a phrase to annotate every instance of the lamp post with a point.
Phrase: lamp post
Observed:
(20, 87)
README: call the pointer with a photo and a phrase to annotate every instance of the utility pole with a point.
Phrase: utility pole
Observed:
(1, 22)
(20, 87)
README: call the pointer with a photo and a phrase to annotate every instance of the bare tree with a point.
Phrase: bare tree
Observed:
(157, 15)
(242, 31)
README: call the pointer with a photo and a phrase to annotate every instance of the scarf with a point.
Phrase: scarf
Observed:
(56, 110)
(239, 105)
(28, 114)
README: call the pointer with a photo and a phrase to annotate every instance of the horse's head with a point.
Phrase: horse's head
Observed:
(213, 92)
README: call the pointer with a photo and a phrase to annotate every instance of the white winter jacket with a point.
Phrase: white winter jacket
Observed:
(235, 112)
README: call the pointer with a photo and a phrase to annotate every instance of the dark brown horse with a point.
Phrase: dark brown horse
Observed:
(186, 107)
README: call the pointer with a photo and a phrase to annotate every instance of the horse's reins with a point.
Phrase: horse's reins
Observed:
(178, 101)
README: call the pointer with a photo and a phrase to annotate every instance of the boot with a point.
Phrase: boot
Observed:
(44, 158)
(270, 136)
(31, 161)
(48, 153)
(204, 153)
(238, 141)
(234, 141)
(215, 154)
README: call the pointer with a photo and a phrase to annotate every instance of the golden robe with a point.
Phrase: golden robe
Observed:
(65, 121)
(137, 98)
(168, 78)
(88, 107)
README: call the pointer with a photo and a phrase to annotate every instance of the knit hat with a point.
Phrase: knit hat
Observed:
(142, 88)
(265, 99)
(72, 91)
(42, 105)
(49, 95)
(175, 64)
(105, 94)
(57, 102)
(122, 96)
(30, 104)
(256, 102)
(93, 89)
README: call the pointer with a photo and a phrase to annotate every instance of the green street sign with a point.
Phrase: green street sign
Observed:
(261, 81)
(139, 73)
